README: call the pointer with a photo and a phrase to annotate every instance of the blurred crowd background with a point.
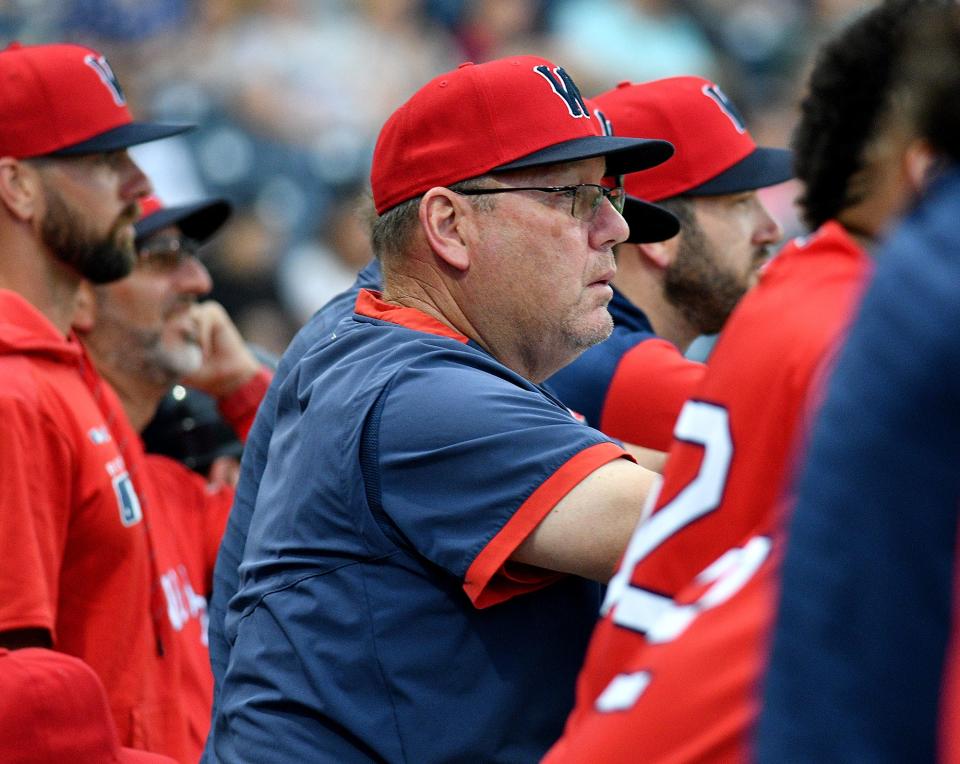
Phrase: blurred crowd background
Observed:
(290, 94)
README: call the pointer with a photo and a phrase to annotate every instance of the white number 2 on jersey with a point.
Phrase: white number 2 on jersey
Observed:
(651, 613)
(703, 424)
(660, 618)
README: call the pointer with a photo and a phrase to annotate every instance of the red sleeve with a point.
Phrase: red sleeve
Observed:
(240, 407)
(35, 462)
(649, 387)
(489, 581)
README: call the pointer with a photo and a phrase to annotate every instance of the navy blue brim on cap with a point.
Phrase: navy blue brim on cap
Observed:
(199, 221)
(648, 222)
(761, 168)
(623, 154)
(124, 136)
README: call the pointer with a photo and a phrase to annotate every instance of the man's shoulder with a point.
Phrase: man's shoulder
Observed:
(623, 338)
(936, 210)
(923, 248)
(821, 255)
(384, 349)
(38, 387)
(26, 376)
(322, 324)
(584, 383)
(402, 375)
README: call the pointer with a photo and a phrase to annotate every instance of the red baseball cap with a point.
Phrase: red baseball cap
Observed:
(54, 708)
(647, 222)
(64, 100)
(501, 115)
(199, 220)
(715, 152)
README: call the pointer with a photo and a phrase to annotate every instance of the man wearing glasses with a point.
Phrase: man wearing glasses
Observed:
(149, 331)
(423, 564)
(672, 288)
(145, 333)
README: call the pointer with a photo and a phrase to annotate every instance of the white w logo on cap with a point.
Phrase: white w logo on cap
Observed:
(564, 86)
(105, 73)
(606, 126)
(714, 93)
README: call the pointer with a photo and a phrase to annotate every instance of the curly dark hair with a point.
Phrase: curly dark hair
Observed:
(848, 95)
(930, 76)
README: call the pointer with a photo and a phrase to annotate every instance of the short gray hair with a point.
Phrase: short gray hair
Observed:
(392, 231)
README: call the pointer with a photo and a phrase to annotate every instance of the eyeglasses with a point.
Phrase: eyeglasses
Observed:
(587, 197)
(166, 253)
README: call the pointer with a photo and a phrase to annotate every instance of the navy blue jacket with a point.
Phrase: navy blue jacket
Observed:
(867, 602)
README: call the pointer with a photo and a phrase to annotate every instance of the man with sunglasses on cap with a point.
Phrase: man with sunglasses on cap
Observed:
(674, 668)
(415, 583)
(145, 333)
(149, 331)
(75, 545)
(669, 289)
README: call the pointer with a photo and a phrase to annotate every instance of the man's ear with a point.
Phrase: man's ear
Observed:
(659, 254)
(20, 188)
(84, 309)
(444, 216)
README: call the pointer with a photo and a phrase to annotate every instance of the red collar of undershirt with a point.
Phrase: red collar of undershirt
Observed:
(370, 304)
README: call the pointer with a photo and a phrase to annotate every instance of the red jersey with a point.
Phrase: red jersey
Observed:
(74, 548)
(184, 520)
(188, 517)
(680, 697)
(187, 523)
(108, 549)
(691, 603)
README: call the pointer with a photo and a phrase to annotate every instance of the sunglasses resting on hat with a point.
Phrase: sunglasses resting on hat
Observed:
(198, 220)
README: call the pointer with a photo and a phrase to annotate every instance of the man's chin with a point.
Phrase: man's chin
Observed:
(105, 266)
(594, 332)
(603, 333)
(114, 260)
(183, 360)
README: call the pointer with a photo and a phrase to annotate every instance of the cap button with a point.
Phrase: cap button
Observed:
(624, 84)
(465, 63)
